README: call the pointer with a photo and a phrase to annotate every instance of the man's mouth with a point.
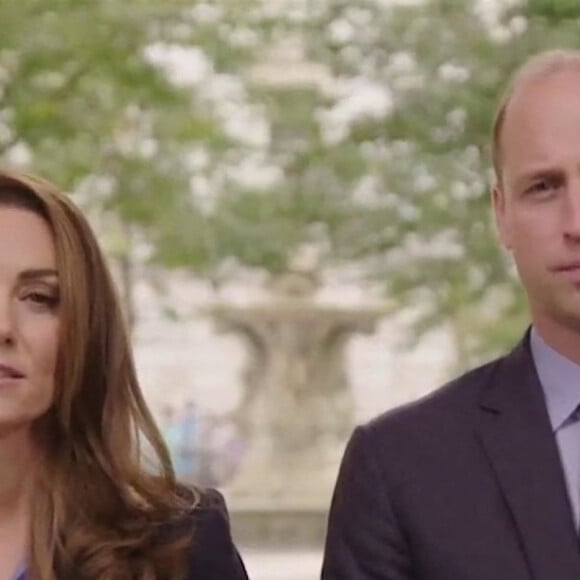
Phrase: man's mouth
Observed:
(568, 267)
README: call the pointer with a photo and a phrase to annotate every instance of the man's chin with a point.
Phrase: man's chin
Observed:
(567, 314)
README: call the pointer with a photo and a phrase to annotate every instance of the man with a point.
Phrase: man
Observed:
(481, 480)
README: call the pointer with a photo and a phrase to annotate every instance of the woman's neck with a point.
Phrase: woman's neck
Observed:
(17, 469)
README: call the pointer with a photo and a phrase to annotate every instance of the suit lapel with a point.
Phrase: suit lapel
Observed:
(517, 437)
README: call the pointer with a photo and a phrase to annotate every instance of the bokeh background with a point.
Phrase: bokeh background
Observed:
(293, 195)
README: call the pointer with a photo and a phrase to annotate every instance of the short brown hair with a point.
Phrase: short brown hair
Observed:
(537, 67)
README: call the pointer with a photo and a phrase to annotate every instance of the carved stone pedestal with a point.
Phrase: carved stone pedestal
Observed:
(297, 408)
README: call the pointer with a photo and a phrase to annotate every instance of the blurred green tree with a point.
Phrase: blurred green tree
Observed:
(424, 227)
(363, 124)
(92, 100)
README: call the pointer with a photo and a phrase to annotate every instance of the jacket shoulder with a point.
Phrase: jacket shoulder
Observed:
(213, 555)
(456, 396)
(424, 438)
(434, 423)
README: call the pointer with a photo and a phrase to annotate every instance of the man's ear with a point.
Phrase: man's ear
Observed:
(499, 211)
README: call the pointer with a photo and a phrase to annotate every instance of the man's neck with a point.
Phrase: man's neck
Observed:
(563, 339)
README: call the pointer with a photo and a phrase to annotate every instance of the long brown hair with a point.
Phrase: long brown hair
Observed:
(101, 512)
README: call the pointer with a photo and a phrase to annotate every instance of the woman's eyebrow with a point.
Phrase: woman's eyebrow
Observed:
(35, 273)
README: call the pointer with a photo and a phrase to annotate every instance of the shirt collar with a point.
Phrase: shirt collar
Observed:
(560, 379)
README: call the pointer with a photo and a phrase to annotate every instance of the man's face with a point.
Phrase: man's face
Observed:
(537, 203)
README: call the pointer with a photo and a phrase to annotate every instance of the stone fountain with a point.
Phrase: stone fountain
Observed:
(296, 410)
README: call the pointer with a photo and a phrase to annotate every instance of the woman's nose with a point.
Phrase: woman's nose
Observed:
(6, 322)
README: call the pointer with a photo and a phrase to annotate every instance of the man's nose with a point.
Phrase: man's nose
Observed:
(572, 212)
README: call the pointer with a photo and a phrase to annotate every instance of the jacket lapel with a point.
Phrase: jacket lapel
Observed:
(517, 437)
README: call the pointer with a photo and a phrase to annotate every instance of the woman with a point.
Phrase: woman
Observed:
(77, 499)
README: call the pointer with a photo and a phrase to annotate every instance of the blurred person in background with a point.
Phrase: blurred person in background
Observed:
(188, 436)
(220, 450)
(481, 480)
(171, 431)
(228, 449)
(205, 451)
(77, 498)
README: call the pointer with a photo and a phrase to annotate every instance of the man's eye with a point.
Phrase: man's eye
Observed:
(542, 186)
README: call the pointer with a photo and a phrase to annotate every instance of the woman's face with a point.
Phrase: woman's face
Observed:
(29, 317)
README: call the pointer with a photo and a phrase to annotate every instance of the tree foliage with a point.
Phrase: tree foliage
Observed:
(426, 231)
(371, 118)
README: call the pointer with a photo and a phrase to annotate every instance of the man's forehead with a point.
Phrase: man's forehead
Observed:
(542, 126)
(537, 91)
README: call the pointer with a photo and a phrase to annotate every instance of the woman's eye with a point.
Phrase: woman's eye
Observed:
(40, 299)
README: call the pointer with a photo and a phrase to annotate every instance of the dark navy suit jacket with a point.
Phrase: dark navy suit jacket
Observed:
(213, 555)
(465, 484)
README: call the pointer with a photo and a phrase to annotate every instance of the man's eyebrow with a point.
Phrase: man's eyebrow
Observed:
(35, 273)
(539, 173)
